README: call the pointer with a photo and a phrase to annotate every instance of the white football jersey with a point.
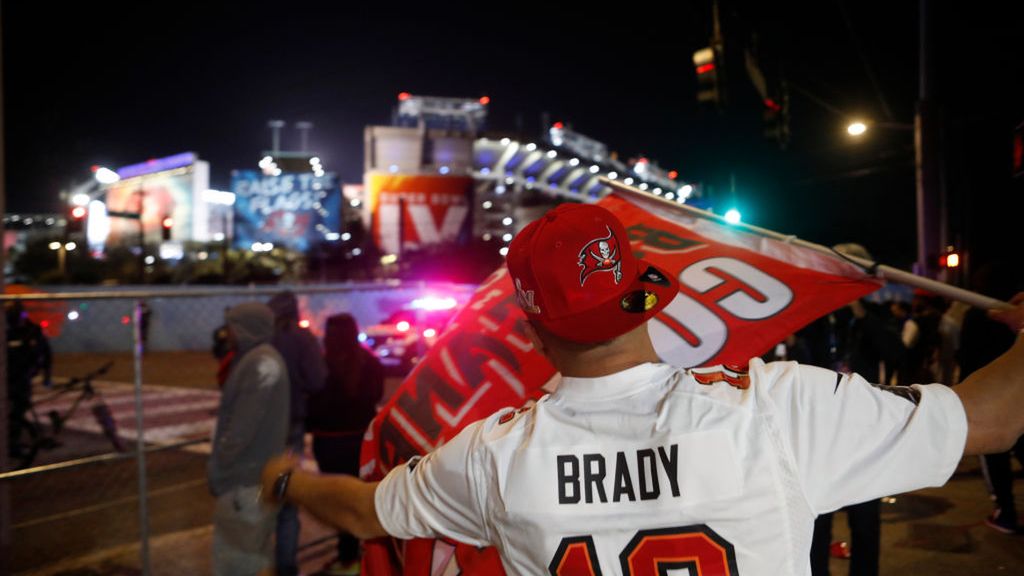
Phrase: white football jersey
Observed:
(649, 472)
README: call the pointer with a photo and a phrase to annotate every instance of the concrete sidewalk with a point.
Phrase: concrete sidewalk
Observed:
(937, 532)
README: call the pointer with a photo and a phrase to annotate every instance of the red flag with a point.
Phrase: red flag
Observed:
(740, 294)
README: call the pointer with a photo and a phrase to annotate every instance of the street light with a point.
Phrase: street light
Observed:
(856, 128)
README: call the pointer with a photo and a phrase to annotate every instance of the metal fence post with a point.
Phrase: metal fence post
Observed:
(140, 440)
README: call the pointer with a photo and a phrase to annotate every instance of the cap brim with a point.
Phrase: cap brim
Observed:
(647, 295)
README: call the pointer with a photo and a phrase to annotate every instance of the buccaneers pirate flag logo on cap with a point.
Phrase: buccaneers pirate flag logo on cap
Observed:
(601, 255)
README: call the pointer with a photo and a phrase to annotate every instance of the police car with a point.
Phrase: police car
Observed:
(404, 337)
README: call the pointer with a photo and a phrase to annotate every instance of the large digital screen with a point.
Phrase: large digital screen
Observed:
(295, 211)
(412, 211)
(154, 196)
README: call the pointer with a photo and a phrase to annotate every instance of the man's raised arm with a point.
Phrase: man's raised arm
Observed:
(344, 502)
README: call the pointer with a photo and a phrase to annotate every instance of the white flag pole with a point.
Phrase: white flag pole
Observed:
(879, 270)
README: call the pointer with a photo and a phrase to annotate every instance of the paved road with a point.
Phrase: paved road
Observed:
(85, 521)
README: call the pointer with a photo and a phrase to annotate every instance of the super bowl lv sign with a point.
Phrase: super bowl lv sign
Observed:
(291, 210)
(412, 211)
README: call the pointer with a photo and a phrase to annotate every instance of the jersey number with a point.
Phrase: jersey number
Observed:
(652, 553)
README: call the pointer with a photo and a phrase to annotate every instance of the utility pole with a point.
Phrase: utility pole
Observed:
(5, 489)
(931, 231)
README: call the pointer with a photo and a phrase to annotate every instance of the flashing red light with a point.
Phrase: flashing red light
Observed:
(125, 320)
(558, 125)
(485, 100)
(44, 324)
(672, 174)
(78, 212)
(642, 161)
(403, 326)
(705, 68)
(167, 222)
(94, 168)
(403, 96)
(772, 104)
(303, 323)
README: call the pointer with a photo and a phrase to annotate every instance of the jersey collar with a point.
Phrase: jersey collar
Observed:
(624, 383)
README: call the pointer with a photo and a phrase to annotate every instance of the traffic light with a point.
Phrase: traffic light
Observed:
(165, 227)
(707, 64)
(950, 259)
(76, 220)
(775, 114)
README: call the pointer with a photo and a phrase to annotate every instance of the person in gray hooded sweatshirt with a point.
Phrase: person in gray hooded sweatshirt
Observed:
(252, 425)
(306, 374)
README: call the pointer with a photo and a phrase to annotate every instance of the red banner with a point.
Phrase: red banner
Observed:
(740, 294)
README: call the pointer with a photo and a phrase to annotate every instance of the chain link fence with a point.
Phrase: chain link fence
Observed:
(79, 460)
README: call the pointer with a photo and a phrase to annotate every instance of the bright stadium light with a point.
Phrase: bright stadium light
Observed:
(507, 220)
(314, 161)
(503, 251)
(106, 176)
(732, 216)
(856, 128)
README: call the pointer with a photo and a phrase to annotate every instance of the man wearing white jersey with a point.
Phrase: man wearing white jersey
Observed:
(635, 467)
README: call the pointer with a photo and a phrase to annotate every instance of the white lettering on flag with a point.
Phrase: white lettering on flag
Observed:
(740, 304)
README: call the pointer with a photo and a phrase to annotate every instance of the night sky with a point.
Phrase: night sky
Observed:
(113, 84)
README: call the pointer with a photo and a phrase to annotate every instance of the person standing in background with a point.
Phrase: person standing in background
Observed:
(252, 422)
(306, 372)
(340, 413)
(982, 340)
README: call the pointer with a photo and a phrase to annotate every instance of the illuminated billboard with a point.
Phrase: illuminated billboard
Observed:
(296, 211)
(161, 188)
(411, 211)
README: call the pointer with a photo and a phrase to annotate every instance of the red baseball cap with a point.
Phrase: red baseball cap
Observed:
(575, 274)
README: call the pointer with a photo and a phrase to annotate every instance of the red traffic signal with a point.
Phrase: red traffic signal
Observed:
(76, 220)
(166, 224)
(950, 260)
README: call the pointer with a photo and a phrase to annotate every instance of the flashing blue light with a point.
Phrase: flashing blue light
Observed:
(485, 170)
(444, 170)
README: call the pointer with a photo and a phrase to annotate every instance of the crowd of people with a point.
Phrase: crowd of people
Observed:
(899, 342)
(279, 384)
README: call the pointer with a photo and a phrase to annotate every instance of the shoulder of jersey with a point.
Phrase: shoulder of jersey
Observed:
(735, 375)
(505, 421)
